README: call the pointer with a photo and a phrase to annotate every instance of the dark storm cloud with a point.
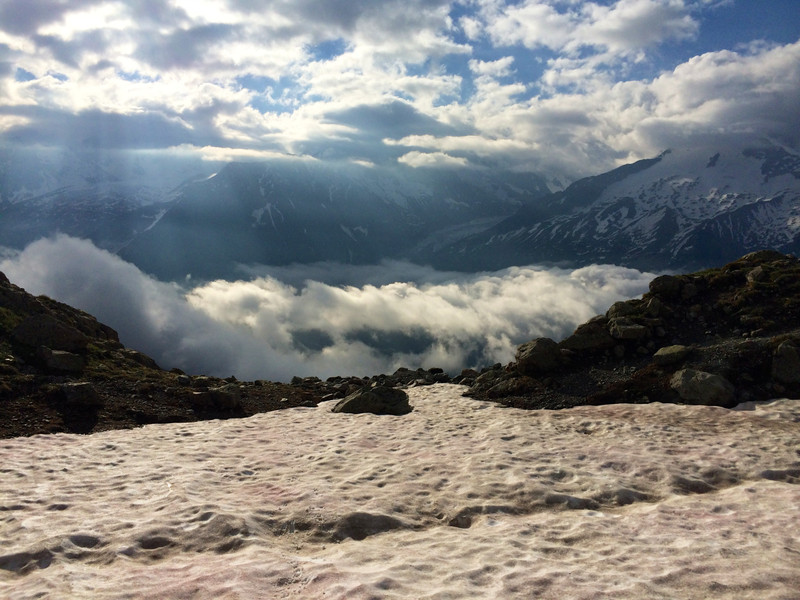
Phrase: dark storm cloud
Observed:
(393, 119)
(94, 128)
(183, 48)
(369, 125)
(70, 52)
(25, 17)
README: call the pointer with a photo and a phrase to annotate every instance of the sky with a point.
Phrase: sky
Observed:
(563, 87)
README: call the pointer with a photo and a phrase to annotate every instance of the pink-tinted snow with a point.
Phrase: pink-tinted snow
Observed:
(459, 499)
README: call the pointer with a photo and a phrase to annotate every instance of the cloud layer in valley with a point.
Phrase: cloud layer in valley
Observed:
(266, 328)
(567, 87)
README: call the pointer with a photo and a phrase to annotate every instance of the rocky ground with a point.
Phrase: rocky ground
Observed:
(721, 336)
(718, 337)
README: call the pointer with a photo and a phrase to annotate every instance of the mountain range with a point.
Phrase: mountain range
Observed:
(687, 208)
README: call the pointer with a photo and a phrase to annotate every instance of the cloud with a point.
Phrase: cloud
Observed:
(431, 159)
(568, 87)
(381, 318)
(621, 28)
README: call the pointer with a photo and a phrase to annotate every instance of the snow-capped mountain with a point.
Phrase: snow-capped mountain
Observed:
(686, 208)
(107, 197)
(300, 211)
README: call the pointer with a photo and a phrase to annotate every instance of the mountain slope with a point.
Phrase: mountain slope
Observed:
(296, 211)
(683, 209)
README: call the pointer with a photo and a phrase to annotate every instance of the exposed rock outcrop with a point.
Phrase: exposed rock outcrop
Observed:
(378, 400)
(62, 370)
(719, 337)
(699, 387)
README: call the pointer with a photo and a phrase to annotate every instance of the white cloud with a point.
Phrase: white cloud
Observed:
(431, 159)
(586, 131)
(265, 328)
(288, 76)
(623, 27)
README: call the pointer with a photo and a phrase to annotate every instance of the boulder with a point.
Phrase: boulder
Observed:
(378, 400)
(61, 361)
(514, 386)
(625, 329)
(699, 387)
(623, 309)
(591, 336)
(140, 358)
(655, 308)
(756, 275)
(81, 396)
(671, 355)
(44, 330)
(225, 398)
(786, 363)
(538, 356)
(666, 286)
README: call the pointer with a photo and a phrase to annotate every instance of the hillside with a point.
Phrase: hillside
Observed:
(63, 371)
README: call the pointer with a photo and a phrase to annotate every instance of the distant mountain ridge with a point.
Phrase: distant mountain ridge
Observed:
(683, 209)
(294, 211)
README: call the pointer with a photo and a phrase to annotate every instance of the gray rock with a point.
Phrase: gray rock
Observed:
(689, 291)
(671, 355)
(623, 309)
(44, 330)
(786, 363)
(538, 356)
(625, 329)
(81, 395)
(699, 387)
(140, 358)
(514, 386)
(655, 308)
(59, 360)
(591, 336)
(757, 274)
(379, 400)
(666, 286)
(225, 398)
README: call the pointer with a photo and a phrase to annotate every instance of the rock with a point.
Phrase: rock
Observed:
(225, 398)
(81, 395)
(655, 308)
(623, 309)
(666, 286)
(140, 358)
(591, 336)
(699, 387)
(786, 363)
(379, 400)
(625, 329)
(762, 256)
(689, 291)
(44, 330)
(59, 360)
(757, 274)
(514, 386)
(671, 355)
(538, 356)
